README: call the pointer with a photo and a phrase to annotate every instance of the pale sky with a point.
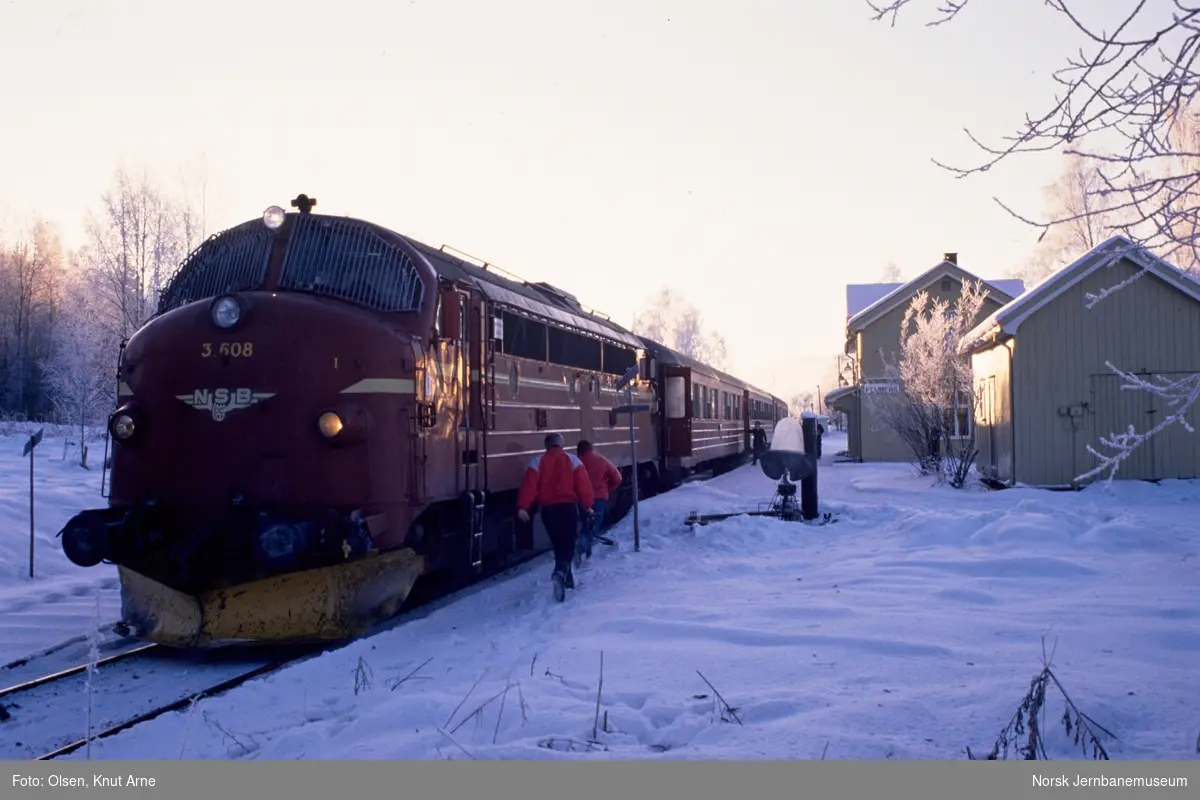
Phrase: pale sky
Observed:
(756, 155)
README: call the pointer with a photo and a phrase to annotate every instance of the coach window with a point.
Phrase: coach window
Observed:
(696, 407)
(676, 397)
(570, 382)
(514, 378)
(596, 389)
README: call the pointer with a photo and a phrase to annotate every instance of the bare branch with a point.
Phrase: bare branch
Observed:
(948, 11)
(1125, 107)
(1126, 116)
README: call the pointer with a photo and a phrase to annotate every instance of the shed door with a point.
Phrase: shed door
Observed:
(1115, 409)
(677, 410)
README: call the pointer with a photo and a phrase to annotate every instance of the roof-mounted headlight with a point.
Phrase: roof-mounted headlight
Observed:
(226, 312)
(273, 218)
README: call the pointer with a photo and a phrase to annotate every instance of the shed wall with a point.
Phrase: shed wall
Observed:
(1067, 398)
(994, 412)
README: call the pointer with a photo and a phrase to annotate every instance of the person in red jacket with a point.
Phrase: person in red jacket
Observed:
(605, 479)
(558, 482)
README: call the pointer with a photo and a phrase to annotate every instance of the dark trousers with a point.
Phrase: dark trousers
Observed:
(562, 523)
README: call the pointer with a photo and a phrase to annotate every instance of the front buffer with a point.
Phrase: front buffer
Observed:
(332, 603)
(213, 587)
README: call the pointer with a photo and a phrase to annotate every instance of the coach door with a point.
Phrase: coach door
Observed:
(677, 410)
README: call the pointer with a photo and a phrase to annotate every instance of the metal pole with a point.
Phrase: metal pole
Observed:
(808, 486)
(31, 526)
(637, 539)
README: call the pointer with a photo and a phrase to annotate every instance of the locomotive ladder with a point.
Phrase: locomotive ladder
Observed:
(481, 359)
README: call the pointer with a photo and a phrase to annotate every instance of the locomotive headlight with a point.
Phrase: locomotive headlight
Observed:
(273, 218)
(330, 424)
(122, 426)
(226, 312)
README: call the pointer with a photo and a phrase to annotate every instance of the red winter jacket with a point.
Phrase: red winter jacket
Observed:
(555, 476)
(605, 477)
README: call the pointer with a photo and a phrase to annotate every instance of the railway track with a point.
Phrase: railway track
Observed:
(47, 717)
(140, 681)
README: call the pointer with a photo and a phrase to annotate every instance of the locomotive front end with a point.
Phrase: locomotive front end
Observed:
(261, 465)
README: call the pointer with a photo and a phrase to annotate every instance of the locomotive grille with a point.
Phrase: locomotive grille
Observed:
(345, 259)
(231, 261)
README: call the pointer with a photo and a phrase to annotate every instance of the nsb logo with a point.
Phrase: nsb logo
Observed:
(220, 402)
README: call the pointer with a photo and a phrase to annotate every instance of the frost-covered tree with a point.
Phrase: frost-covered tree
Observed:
(81, 370)
(1124, 103)
(1077, 197)
(31, 262)
(891, 273)
(930, 403)
(800, 402)
(670, 319)
(135, 244)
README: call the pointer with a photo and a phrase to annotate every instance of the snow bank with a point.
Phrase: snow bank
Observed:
(910, 628)
(59, 602)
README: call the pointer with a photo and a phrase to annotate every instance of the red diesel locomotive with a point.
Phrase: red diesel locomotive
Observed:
(323, 411)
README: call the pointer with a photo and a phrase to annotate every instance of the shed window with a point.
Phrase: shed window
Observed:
(958, 417)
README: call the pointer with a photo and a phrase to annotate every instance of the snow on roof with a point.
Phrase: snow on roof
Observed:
(861, 295)
(1008, 318)
(1013, 287)
(1007, 288)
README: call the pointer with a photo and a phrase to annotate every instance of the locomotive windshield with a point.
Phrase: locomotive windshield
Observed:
(335, 257)
(232, 261)
(346, 259)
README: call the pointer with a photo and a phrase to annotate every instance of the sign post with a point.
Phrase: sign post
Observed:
(28, 451)
(626, 383)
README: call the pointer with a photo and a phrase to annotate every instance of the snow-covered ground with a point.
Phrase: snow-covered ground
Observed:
(910, 628)
(59, 602)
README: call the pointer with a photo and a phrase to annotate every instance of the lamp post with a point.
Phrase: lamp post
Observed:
(626, 383)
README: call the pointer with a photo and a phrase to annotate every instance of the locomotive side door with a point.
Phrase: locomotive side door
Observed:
(677, 409)
(474, 448)
(587, 395)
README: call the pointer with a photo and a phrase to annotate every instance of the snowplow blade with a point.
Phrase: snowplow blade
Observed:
(327, 604)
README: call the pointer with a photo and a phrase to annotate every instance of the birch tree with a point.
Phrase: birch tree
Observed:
(670, 319)
(30, 274)
(136, 242)
(1078, 197)
(1123, 101)
(800, 402)
(82, 368)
